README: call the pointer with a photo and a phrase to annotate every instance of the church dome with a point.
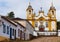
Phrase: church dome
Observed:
(41, 11)
(52, 7)
(29, 7)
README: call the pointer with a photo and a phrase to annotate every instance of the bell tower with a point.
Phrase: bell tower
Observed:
(29, 11)
(29, 14)
(52, 11)
(41, 12)
(52, 21)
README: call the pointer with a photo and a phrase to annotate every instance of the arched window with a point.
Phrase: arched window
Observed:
(29, 11)
(41, 22)
(52, 12)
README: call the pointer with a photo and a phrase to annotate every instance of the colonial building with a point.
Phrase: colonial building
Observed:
(10, 29)
(7, 28)
(15, 28)
(28, 26)
(42, 22)
(20, 31)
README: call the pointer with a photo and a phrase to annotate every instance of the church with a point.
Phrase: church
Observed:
(41, 22)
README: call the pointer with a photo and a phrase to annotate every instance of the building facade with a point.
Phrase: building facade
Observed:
(28, 26)
(10, 29)
(7, 28)
(42, 22)
(20, 31)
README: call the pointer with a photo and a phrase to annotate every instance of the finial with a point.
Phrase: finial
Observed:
(52, 3)
(34, 13)
(29, 3)
(41, 8)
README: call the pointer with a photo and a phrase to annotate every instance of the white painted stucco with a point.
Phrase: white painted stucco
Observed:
(59, 32)
(7, 24)
(53, 25)
(29, 28)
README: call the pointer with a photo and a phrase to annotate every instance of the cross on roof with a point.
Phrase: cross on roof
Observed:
(29, 3)
(41, 8)
(52, 3)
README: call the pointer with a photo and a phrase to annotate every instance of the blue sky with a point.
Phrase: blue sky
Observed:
(19, 7)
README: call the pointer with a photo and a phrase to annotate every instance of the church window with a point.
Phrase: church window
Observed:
(46, 24)
(41, 22)
(36, 24)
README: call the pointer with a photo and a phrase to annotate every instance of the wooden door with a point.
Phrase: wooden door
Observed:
(10, 33)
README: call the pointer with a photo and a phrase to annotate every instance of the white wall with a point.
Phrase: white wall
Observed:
(29, 28)
(21, 29)
(7, 24)
(23, 22)
(59, 32)
(53, 25)
(18, 27)
(47, 33)
(27, 35)
(27, 25)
